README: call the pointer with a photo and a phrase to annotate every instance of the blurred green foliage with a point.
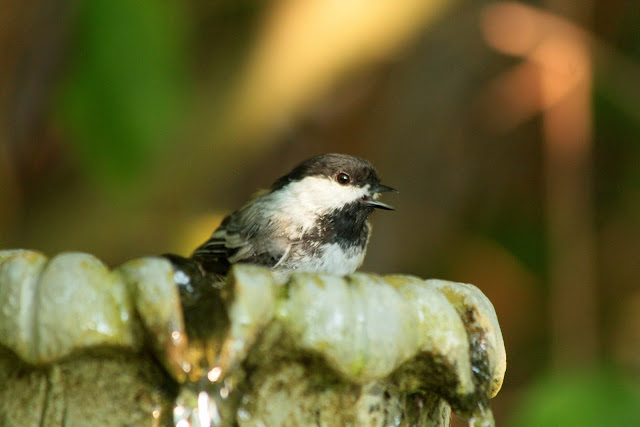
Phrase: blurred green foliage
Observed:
(597, 398)
(124, 91)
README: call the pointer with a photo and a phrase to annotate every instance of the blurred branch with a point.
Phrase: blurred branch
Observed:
(612, 70)
(30, 39)
(556, 75)
(305, 48)
(9, 192)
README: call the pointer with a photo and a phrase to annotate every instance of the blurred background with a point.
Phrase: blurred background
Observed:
(510, 128)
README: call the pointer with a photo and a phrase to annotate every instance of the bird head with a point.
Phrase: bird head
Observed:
(333, 181)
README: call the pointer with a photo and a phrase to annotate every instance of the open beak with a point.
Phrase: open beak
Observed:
(379, 188)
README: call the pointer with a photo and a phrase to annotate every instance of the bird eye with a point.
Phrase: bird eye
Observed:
(343, 178)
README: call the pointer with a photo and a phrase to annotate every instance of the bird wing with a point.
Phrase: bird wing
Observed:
(214, 254)
(248, 235)
(232, 243)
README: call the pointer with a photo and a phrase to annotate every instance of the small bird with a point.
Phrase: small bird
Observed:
(313, 219)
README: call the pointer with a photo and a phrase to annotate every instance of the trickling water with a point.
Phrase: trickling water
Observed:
(204, 415)
(198, 405)
(482, 417)
(195, 411)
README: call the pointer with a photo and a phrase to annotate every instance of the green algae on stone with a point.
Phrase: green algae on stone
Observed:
(469, 300)
(51, 309)
(361, 349)
(155, 297)
(366, 329)
(19, 277)
(105, 388)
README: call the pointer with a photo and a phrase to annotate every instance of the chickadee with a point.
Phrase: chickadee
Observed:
(314, 219)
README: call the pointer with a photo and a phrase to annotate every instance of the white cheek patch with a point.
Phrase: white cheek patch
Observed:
(323, 194)
(305, 200)
(295, 208)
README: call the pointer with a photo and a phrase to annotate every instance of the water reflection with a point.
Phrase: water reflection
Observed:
(196, 411)
(198, 405)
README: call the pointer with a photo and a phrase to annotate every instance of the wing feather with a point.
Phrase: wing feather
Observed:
(246, 235)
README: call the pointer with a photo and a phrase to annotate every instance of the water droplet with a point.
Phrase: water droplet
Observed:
(214, 374)
(224, 392)
(243, 414)
(178, 411)
(181, 278)
(228, 383)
